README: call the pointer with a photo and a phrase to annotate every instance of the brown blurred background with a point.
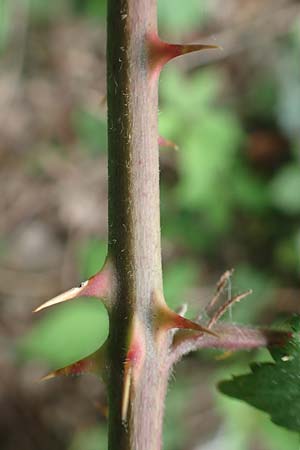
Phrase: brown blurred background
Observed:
(230, 198)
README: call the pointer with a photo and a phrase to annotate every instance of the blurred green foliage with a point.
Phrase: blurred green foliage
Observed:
(92, 132)
(245, 426)
(179, 276)
(283, 189)
(67, 333)
(4, 23)
(90, 439)
(182, 16)
(208, 137)
(92, 8)
(43, 10)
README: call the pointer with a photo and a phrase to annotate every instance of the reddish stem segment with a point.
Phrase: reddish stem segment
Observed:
(135, 56)
(230, 337)
(135, 401)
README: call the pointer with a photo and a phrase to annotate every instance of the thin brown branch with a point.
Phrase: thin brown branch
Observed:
(223, 308)
(220, 289)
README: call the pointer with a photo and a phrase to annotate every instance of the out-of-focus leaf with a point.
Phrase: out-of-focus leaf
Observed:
(43, 10)
(5, 19)
(249, 191)
(177, 278)
(189, 96)
(285, 188)
(287, 256)
(208, 139)
(206, 158)
(72, 331)
(245, 427)
(179, 15)
(245, 277)
(67, 333)
(92, 254)
(288, 104)
(262, 97)
(92, 131)
(174, 430)
(90, 439)
(92, 8)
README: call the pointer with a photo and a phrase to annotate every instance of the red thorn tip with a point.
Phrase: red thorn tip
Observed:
(161, 52)
(86, 365)
(181, 322)
(96, 286)
(168, 319)
(162, 142)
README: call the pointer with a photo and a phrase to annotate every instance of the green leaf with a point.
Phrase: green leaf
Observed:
(273, 387)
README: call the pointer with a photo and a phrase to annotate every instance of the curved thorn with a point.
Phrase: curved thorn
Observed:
(182, 322)
(167, 319)
(64, 297)
(93, 364)
(78, 368)
(182, 49)
(161, 52)
(96, 286)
